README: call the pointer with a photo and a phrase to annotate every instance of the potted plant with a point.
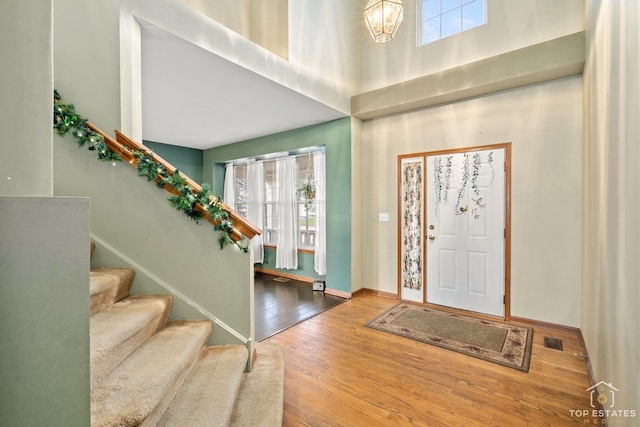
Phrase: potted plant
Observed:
(307, 192)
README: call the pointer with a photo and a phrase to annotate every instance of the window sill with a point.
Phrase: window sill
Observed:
(300, 250)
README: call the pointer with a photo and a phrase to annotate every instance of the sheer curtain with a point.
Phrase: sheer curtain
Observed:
(287, 223)
(229, 195)
(320, 245)
(255, 205)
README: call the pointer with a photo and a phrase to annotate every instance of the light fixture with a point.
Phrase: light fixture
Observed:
(383, 17)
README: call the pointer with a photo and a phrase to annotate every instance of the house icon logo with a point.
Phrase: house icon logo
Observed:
(602, 393)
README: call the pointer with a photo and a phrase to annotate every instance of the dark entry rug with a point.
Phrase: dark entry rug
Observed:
(496, 342)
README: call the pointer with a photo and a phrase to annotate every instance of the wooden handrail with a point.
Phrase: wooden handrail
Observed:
(125, 147)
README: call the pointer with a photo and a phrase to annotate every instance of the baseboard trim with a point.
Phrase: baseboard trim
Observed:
(546, 325)
(284, 274)
(585, 355)
(171, 290)
(329, 291)
(592, 377)
(365, 291)
(337, 293)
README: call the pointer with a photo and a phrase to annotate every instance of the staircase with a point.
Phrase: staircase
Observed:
(148, 371)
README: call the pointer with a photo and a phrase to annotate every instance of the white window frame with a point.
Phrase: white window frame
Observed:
(305, 235)
(421, 25)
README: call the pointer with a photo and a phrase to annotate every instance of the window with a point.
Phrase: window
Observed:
(306, 212)
(442, 18)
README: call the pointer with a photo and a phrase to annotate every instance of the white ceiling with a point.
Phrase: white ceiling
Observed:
(194, 98)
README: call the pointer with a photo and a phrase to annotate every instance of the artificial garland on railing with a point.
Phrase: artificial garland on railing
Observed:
(185, 198)
(65, 120)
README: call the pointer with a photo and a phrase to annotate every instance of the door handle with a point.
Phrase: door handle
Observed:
(432, 237)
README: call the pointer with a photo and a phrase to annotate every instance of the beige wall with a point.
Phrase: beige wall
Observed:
(511, 25)
(611, 272)
(544, 124)
(233, 14)
(264, 23)
(26, 159)
(325, 43)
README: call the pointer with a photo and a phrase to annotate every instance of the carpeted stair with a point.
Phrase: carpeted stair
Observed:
(150, 372)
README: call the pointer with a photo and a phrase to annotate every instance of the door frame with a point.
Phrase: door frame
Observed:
(507, 224)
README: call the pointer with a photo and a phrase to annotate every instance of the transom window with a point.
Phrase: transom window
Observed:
(443, 18)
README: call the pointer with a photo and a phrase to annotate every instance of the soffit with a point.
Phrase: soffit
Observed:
(194, 98)
(554, 59)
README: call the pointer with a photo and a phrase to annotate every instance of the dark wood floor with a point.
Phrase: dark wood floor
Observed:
(280, 305)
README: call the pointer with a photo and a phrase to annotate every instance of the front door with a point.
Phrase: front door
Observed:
(466, 230)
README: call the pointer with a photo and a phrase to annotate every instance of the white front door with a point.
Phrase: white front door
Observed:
(465, 230)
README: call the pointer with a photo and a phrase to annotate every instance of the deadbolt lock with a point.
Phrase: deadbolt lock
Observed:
(431, 227)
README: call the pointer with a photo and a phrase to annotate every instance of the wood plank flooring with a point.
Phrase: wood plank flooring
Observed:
(340, 373)
(279, 305)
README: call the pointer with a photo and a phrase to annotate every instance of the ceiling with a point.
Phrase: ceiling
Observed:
(194, 98)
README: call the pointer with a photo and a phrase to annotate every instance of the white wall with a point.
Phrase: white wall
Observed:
(325, 42)
(26, 162)
(511, 25)
(611, 271)
(544, 124)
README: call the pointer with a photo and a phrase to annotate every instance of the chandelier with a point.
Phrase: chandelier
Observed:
(383, 17)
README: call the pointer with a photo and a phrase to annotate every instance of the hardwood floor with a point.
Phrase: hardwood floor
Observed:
(279, 306)
(340, 373)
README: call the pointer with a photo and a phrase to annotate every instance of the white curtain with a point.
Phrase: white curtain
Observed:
(255, 205)
(320, 245)
(229, 195)
(287, 223)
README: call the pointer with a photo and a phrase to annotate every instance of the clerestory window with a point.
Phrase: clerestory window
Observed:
(443, 18)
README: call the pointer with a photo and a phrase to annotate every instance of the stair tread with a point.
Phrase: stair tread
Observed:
(108, 286)
(207, 397)
(121, 328)
(260, 398)
(141, 387)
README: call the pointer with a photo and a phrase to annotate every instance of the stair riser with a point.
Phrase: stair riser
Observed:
(140, 389)
(102, 364)
(153, 418)
(113, 285)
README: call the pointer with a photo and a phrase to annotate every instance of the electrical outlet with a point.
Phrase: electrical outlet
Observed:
(383, 217)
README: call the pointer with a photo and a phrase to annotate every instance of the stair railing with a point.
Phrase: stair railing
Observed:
(126, 147)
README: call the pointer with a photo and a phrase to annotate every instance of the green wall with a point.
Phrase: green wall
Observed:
(186, 160)
(44, 311)
(305, 264)
(336, 137)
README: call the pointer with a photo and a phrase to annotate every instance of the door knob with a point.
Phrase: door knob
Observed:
(432, 237)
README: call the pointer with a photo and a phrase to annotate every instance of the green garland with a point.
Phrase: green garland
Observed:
(66, 120)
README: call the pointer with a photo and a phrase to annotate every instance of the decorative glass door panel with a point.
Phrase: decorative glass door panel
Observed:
(411, 229)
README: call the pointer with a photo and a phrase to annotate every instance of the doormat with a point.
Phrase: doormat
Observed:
(496, 342)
